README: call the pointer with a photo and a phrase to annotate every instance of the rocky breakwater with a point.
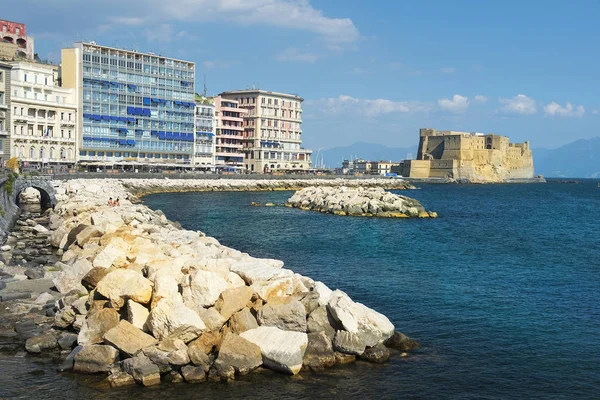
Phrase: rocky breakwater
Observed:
(142, 187)
(358, 201)
(145, 301)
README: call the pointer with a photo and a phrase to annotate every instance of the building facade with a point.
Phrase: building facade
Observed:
(44, 117)
(15, 33)
(230, 134)
(135, 108)
(205, 127)
(472, 156)
(272, 134)
(5, 111)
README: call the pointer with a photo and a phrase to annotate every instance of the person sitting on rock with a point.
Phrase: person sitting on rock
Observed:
(116, 203)
(110, 202)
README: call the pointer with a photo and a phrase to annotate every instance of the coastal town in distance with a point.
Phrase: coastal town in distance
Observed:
(298, 199)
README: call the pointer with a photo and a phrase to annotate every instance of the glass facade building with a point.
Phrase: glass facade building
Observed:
(135, 107)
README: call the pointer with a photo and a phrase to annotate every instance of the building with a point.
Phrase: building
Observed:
(230, 134)
(385, 167)
(471, 156)
(15, 43)
(363, 167)
(44, 117)
(5, 111)
(205, 128)
(135, 108)
(272, 138)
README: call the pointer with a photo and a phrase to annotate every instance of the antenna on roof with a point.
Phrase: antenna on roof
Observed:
(205, 89)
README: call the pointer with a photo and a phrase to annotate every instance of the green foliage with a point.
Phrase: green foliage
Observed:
(2, 212)
(12, 177)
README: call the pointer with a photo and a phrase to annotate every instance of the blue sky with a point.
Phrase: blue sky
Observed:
(368, 71)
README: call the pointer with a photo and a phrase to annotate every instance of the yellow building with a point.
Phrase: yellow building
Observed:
(476, 157)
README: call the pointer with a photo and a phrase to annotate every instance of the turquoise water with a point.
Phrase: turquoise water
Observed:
(502, 292)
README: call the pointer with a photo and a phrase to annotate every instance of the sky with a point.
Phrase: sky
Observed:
(369, 71)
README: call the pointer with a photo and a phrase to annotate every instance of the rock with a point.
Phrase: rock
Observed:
(174, 319)
(349, 343)
(242, 321)
(44, 298)
(67, 340)
(5, 248)
(323, 291)
(342, 358)
(321, 321)
(373, 327)
(115, 249)
(290, 316)
(68, 363)
(280, 287)
(281, 350)
(239, 353)
(67, 281)
(37, 344)
(40, 229)
(34, 273)
(376, 354)
(204, 289)
(142, 370)
(81, 305)
(64, 318)
(128, 339)
(123, 284)
(310, 302)
(90, 280)
(95, 358)
(96, 325)
(173, 377)
(177, 351)
(193, 374)
(166, 287)
(233, 300)
(88, 233)
(106, 218)
(207, 342)
(72, 236)
(319, 352)
(213, 320)
(120, 379)
(198, 357)
(221, 372)
(401, 342)
(137, 314)
(258, 271)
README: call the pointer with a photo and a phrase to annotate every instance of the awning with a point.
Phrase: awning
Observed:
(131, 142)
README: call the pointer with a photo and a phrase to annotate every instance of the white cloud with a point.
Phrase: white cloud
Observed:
(292, 54)
(367, 107)
(518, 105)
(217, 64)
(459, 104)
(568, 110)
(448, 70)
(291, 14)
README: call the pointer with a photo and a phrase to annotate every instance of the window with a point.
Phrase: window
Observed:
(1, 76)
(69, 116)
(25, 77)
(62, 116)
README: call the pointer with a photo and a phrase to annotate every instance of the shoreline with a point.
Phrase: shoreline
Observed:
(150, 236)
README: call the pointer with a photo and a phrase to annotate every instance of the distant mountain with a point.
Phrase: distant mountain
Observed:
(580, 159)
(334, 156)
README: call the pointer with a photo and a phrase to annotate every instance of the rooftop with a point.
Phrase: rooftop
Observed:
(132, 51)
(265, 92)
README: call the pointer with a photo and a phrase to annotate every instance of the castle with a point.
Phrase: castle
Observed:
(472, 156)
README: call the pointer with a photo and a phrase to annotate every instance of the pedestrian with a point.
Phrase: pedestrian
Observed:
(110, 202)
(117, 204)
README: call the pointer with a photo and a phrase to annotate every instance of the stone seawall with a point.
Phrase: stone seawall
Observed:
(145, 301)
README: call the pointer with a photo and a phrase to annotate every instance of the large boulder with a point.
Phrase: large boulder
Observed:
(233, 300)
(281, 350)
(288, 316)
(165, 287)
(142, 369)
(96, 325)
(372, 327)
(258, 271)
(95, 275)
(279, 287)
(321, 321)
(242, 321)
(88, 233)
(37, 344)
(122, 284)
(207, 342)
(174, 319)
(115, 249)
(95, 358)
(239, 353)
(128, 338)
(349, 343)
(376, 354)
(400, 341)
(319, 352)
(204, 288)
(70, 278)
(137, 314)
(213, 319)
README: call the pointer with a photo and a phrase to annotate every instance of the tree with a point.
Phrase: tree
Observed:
(13, 164)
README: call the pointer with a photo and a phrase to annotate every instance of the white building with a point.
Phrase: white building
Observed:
(4, 112)
(204, 141)
(44, 117)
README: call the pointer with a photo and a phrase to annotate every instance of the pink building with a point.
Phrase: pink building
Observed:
(228, 149)
(16, 33)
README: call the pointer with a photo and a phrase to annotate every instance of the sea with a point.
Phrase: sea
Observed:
(502, 291)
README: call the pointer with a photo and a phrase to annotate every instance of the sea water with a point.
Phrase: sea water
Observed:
(502, 291)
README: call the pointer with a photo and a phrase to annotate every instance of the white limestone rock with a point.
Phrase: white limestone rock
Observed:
(123, 284)
(281, 350)
(258, 271)
(175, 320)
(204, 288)
(137, 314)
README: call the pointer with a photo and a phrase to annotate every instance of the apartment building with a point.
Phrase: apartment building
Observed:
(44, 117)
(272, 131)
(205, 128)
(230, 134)
(5, 113)
(135, 108)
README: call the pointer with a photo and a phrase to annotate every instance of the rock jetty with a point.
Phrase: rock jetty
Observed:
(145, 301)
(358, 201)
(141, 187)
